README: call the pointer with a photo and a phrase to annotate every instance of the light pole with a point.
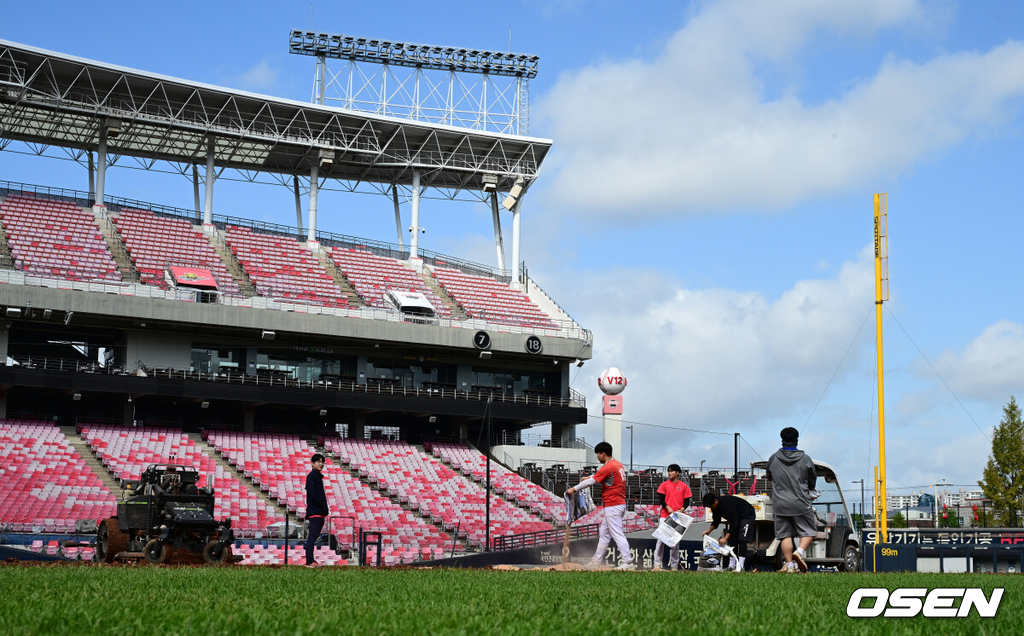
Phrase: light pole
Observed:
(935, 486)
(701, 471)
(630, 448)
(861, 482)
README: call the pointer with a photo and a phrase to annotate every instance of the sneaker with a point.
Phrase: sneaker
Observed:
(658, 567)
(626, 566)
(674, 568)
(592, 565)
(799, 559)
(312, 565)
(788, 568)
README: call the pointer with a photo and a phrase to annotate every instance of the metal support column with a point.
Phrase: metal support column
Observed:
(101, 165)
(211, 149)
(298, 202)
(517, 210)
(92, 177)
(414, 241)
(314, 186)
(195, 190)
(498, 244)
(398, 218)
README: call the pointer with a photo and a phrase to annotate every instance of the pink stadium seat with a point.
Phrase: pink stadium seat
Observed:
(279, 267)
(372, 276)
(46, 485)
(281, 462)
(437, 491)
(491, 300)
(128, 451)
(155, 243)
(56, 239)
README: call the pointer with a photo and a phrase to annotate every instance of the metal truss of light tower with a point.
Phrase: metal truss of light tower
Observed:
(453, 86)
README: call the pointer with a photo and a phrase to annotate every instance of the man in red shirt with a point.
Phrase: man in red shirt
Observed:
(612, 478)
(673, 495)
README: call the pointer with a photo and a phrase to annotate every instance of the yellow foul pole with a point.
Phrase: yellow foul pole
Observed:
(881, 295)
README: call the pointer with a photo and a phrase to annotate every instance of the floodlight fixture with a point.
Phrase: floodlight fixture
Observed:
(13, 312)
(67, 317)
(490, 181)
(76, 397)
(432, 419)
(326, 156)
(205, 404)
(113, 126)
(579, 362)
(421, 56)
(268, 334)
(323, 412)
(47, 313)
(485, 355)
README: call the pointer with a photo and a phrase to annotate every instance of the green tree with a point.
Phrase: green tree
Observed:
(898, 521)
(1003, 479)
(948, 518)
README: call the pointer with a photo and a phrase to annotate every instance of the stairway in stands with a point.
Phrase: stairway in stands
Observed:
(209, 449)
(245, 285)
(354, 300)
(117, 249)
(92, 460)
(458, 313)
(6, 258)
(461, 544)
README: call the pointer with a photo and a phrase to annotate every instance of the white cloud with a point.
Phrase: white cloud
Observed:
(737, 361)
(719, 359)
(261, 77)
(990, 367)
(693, 129)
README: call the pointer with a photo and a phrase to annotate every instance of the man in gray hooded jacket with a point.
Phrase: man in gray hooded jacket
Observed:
(793, 478)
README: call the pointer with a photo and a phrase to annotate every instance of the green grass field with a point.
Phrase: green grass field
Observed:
(162, 601)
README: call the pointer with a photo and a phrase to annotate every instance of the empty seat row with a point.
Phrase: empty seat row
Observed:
(128, 451)
(56, 239)
(156, 243)
(281, 268)
(47, 486)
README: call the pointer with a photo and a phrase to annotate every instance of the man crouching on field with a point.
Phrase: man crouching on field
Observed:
(612, 478)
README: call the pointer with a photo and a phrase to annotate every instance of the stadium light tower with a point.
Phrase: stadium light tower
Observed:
(450, 85)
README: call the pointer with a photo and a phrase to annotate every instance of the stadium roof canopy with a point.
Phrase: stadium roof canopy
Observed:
(60, 100)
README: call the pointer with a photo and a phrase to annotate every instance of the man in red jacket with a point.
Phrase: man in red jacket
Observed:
(612, 478)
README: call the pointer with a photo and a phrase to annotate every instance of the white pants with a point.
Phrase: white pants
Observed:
(611, 528)
(673, 555)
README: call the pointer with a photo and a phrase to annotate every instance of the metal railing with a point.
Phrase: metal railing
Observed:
(270, 380)
(544, 537)
(514, 438)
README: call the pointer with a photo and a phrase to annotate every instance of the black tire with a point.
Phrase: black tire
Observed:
(156, 552)
(110, 540)
(216, 553)
(851, 559)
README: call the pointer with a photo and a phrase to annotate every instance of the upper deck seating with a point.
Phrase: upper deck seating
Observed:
(128, 451)
(155, 243)
(280, 463)
(486, 298)
(56, 239)
(279, 267)
(433, 488)
(46, 484)
(372, 276)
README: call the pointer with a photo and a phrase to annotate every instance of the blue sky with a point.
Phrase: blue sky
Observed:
(706, 208)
